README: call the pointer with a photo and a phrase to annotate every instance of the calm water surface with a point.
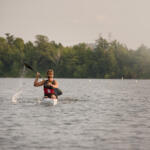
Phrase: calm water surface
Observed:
(91, 114)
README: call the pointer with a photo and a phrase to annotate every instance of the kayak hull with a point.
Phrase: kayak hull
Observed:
(49, 101)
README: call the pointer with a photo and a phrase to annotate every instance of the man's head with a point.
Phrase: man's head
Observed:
(50, 73)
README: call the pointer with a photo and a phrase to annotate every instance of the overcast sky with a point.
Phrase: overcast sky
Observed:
(72, 21)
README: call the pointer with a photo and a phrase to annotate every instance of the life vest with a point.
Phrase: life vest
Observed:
(48, 90)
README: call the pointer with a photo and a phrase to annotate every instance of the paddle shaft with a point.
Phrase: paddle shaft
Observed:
(29, 67)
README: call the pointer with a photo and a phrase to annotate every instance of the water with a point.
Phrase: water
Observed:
(91, 114)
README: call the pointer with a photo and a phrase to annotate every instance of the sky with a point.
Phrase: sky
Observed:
(74, 21)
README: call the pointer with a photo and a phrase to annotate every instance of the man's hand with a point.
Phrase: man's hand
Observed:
(50, 84)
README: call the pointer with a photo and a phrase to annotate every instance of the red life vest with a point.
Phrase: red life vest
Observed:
(48, 90)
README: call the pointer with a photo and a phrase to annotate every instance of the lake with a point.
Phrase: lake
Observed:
(92, 114)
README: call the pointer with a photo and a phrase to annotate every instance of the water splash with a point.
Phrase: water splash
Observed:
(18, 93)
(16, 96)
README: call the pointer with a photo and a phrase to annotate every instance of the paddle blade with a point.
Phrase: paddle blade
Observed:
(58, 91)
(29, 67)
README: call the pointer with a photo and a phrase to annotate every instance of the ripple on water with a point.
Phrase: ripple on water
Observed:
(106, 114)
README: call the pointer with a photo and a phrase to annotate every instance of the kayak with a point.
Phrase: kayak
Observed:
(49, 101)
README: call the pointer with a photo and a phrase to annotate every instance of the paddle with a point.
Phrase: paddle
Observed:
(29, 67)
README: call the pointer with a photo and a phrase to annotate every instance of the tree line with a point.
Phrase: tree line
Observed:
(104, 59)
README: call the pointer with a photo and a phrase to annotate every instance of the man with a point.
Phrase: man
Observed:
(49, 85)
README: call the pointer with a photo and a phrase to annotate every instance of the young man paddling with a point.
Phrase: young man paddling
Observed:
(49, 85)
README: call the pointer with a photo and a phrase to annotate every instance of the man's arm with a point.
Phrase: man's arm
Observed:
(55, 85)
(36, 83)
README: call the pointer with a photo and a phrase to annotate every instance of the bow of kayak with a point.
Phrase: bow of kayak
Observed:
(49, 101)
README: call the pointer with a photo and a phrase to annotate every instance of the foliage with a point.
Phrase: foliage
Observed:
(105, 60)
